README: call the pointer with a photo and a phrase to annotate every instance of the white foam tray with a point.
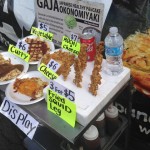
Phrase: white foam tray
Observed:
(88, 105)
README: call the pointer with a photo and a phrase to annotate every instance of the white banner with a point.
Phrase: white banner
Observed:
(65, 17)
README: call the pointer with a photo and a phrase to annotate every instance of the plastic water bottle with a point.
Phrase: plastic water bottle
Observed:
(113, 52)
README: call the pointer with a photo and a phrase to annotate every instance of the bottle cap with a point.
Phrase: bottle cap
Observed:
(113, 30)
(101, 117)
(111, 112)
(91, 133)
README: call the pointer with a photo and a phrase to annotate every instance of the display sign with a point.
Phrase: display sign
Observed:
(43, 26)
(50, 74)
(53, 65)
(42, 33)
(70, 45)
(62, 107)
(18, 52)
(62, 90)
(74, 36)
(64, 17)
(22, 45)
(19, 117)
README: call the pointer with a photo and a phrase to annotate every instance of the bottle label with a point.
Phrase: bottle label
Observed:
(114, 51)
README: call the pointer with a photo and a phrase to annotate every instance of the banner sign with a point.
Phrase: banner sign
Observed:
(64, 17)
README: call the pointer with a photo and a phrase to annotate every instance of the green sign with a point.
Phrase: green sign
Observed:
(18, 52)
(42, 33)
(50, 74)
(62, 107)
(70, 45)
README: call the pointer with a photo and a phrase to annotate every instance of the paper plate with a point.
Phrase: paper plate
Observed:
(22, 99)
(51, 44)
(14, 60)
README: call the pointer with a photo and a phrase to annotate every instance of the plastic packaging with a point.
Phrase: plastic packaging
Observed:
(113, 52)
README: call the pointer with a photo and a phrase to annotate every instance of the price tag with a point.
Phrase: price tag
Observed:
(22, 45)
(43, 26)
(47, 72)
(60, 89)
(53, 65)
(18, 52)
(70, 45)
(41, 33)
(62, 107)
(19, 117)
(74, 37)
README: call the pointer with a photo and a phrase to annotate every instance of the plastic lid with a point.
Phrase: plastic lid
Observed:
(113, 30)
(111, 112)
(91, 133)
(101, 117)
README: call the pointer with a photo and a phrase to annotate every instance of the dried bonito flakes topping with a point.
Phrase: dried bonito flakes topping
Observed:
(136, 56)
(32, 87)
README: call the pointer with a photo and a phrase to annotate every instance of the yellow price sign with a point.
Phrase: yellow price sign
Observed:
(70, 45)
(62, 107)
(18, 52)
(42, 33)
(47, 72)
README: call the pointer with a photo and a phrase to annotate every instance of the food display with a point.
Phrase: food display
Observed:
(32, 87)
(37, 48)
(80, 65)
(64, 58)
(9, 71)
(137, 57)
(96, 76)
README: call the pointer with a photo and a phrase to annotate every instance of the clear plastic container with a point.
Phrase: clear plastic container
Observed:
(113, 52)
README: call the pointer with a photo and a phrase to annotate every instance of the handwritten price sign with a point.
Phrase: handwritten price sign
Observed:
(43, 26)
(22, 45)
(53, 65)
(60, 89)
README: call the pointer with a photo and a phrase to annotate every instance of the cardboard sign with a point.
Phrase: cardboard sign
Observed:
(22, 45)
(70, 45)
(41, 33)
(19, 117)
(43, 26)
(62, 90)
(74, 36)
(53, 65)
(47, 72)
(62, 107)
(20, 53)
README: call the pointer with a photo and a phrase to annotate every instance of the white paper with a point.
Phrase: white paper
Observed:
(19, 117)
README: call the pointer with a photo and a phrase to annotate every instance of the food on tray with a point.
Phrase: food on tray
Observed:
(80, 65)
(83, 56)
(96, 77)
(37, 48)
(100, 47)
(78, 73)
(9, 71)
(137, 57)
(32, 87)
(66, 60)
(4, 61)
